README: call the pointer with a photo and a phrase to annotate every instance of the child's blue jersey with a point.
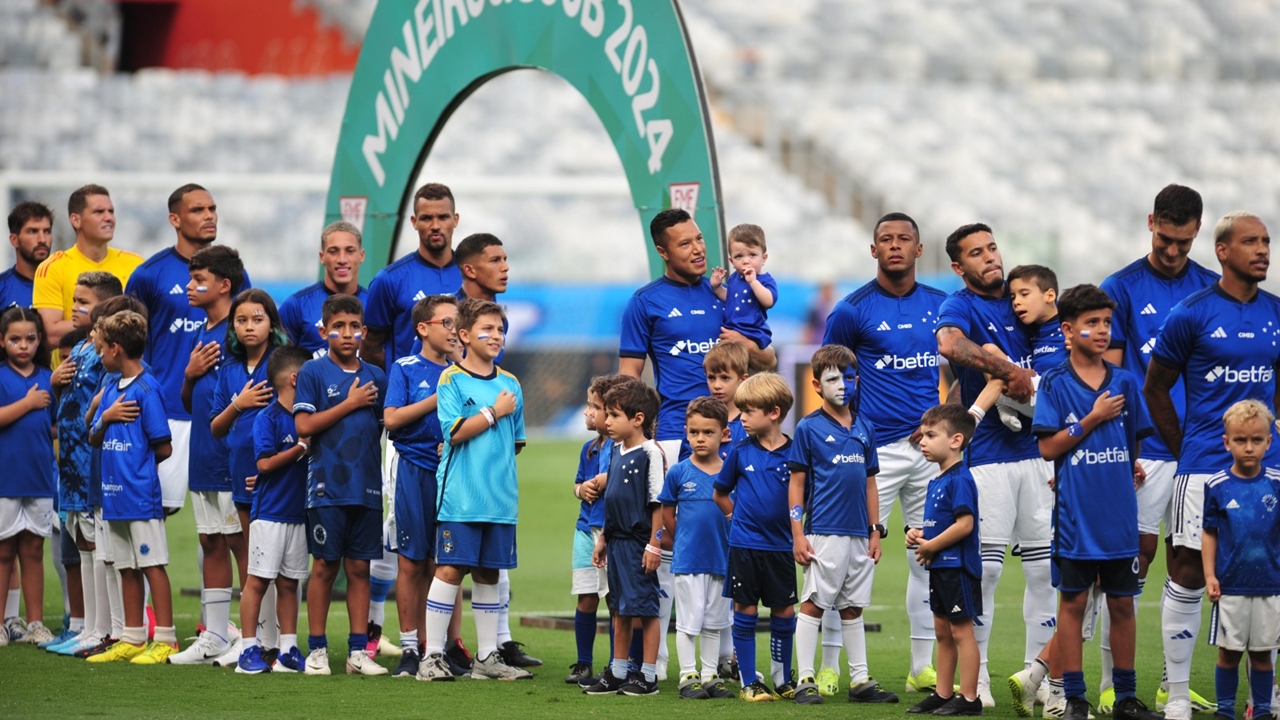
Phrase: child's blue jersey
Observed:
(1095, 514)
(758, 479)
(989, 320)
(395, 290)
(1048, 345)
(950, 496)
(279, 496)
(27, 443)
(837, 462)
(130, 482)
(242, 461)
(1242, 513)
(302, 316)
(743, 313)
(74, 452)
(344, 466)
(1143, 300)
(675, 325)
(631, 493)
(736, 433)
(590, 514)
(1227, 352)
(412, 380)
(702, 532)
(15, 288)
(477, 480)
(209, 463)
(893, 339)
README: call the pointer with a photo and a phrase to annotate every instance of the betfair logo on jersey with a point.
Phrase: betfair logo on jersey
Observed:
(693, 347)
(845, 459)
(1101, 457)
(907, 362)
(1254, 374)
(185, 325)
(115, 445)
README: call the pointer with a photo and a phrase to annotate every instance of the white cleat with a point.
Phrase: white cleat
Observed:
(230, 658)
(492, 668)
(984, 694)
(388, 648)
(318, 662)
(204, 651)
(359, 663)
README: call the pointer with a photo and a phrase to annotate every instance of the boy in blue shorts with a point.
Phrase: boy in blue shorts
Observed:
(761, 565)
(1090, 417)
(277, 520)
(338, 404)
(481, 411)
(950, 547)
(1241, 553)
(835, 522)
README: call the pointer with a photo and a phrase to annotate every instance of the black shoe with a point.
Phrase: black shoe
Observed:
(717, 691)
(513, 654)
(1130, 708)
(606, 685)
(958, 706)
(691, 689)
(807, 693)
(728, 670)
(928, 705)
(637, 685)
(1078, 709)
(458, 658)
(589, 681)
(579, 672)
(871, 692)
(375, 633)
(408, 666)
(269, 656)
(97, 649)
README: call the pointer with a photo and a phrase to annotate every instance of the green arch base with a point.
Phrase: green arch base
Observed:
(631, 60)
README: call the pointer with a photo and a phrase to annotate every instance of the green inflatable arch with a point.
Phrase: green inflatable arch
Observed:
(631, 59)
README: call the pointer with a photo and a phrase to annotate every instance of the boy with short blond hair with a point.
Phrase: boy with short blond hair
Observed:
(727, 365)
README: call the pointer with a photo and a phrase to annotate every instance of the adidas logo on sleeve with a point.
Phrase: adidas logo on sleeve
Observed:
(675, 313)
(1219, 333)
(177, 290)
(424, 384)
(1149, 309)
(884, 325)
(419, 296)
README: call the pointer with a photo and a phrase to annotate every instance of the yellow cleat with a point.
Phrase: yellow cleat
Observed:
(157, 653)
(120, 652)
(923, 682)
(1107, 701)
(1198, 703)
(828, 682)
(757, 692)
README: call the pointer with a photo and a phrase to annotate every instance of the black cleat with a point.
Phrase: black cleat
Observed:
(807, 692)
(957, 706)
(928, 705)
(514, 655)
(606, 685)
(1078, 709)
(728, 670)
(1131, 708)
(408, 666)
(579, 672)
(717, 691)
(691, 689)
(870, 691)
(637, 686)
(458, 659)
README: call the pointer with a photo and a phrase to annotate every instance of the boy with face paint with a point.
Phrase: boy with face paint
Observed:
(835, 523)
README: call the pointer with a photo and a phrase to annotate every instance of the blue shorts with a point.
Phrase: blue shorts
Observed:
(476, 545)
(954, 594)
(415, 508)
(344, 531)
(1115, 577)
(632, 591)
(70, 553)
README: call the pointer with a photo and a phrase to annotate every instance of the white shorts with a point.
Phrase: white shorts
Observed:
(587, 578)
(1155, 496)
(173, 471)
(701, 605)
(1094, 604)
(138, 544)
(1188, 509)
(1245, 622)
(33, 515)
(81, 525)
(277, 548)
(390, 467)
(1015, 504)
(904, 475)
(102, 535)
(671, 451)
(215, 512)
(841, 573)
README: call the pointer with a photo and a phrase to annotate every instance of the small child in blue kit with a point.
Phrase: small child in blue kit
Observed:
(747, 293)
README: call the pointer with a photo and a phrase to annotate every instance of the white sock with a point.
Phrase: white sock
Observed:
(248, 641)
(134, 635)
(440, 599)
(1104, 642)
(268, 623)
(666, 603)
(775, 673)
(919, 614)
(504, 607)
(686, 653)
(486, 607)
(992, 567)
(855, 648)
(1039, 602)
(378, 612)
(167, 635)
(1056, 692)
(1038, 670)
(709, 649)
(11, 603)
(217, 608)
(76, 625)
(288, 641)
(832, 640)
(101, 601)
(1180, 622)
(409, 640)
(56, 547)
(117, 604)
(807, 631)
(726, 642)
(90, 595)
(200, 575)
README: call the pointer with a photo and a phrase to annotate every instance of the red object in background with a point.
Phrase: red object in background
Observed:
(278, 37)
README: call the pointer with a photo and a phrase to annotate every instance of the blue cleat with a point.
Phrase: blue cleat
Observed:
(290, 662)
(60, 639)
(252, 662)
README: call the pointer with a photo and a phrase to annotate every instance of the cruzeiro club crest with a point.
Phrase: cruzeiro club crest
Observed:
(319, 534)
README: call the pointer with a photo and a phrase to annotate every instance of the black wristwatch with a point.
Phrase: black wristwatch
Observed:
(880, 528)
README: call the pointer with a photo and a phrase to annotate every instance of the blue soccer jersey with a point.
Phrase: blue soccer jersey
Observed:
(303, 319)
(743, 313)
(1048, 345)
(675, 325)
(631, 493)
(1226, 351)
(951, 496)
(279, 496)
(161, 284)
(1095, 512)
(989, 320)
(395, 290)
(702, 532)
(589, 467)
(1241, 513)
(209, 461)
(736, 433)
(344, 466)
(477, 479)
(130, 483)
(837, 462)
(74, 451)
(27, 442)
(893, 339)
(242, 459)
(15, 289)
(758, 479)
(1143, 300)
(412, 380)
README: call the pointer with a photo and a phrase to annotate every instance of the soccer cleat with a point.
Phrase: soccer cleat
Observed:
(717, 691)
(458, 658)
(579, 672)
(374, 633)
(359, 663)
(252, 662)
(924, 681)
(230, 658)
(757, 692)
(37, 634)
(869, 691)
(119, 652)
(1107, 701)
(1131, 708)
(828, 682)
(16, 627)
(638, 686)
(786, 691)
(155, 654)
(806, 692)
(984, 693)
(317, 662)
(388, 648)
(957, 706)
(1177, 709)
(513, 654)
(492, 667)
(691, 688)
(1058, 709)
(82, 642)
(928, 705)
(433, 668)
(206, 649)
(102, 646)
(63, 636)
(1198, 703)
(290, 662)
(727, 669)
(408, 665)
(1042, 693)
(1023, 692)
(608, 684)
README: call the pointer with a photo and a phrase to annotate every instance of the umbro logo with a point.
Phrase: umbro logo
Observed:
(419, 296)
(1219, 333)
(424, 384)
(883, 326)
(1233, 505)
(1149, 309)
(469, 403)
(178, 290)
(675, 313)
(751, 468)
(830, 438)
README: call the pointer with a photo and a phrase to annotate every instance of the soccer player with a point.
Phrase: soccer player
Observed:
(747, 292)
(835, 525)
(1145, 291)
(1013, 482)
(338, 404)
(1242, 558)
(1089, 419)
(31, 235)
(888, 324)
(1221, 341)
(341, 254)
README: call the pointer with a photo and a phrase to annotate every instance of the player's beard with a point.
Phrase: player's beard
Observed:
(202, 242)
(981, 285)
(30, 255)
